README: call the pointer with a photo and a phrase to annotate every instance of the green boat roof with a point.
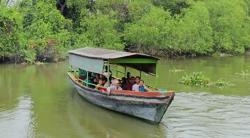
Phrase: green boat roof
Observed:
(94, 56)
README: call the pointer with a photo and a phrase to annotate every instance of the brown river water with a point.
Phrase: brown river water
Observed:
(38, 101)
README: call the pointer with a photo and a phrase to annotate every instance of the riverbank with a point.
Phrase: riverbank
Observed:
(163, 54)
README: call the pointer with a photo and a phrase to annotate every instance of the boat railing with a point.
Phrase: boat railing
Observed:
(88, 83)
(85, 83)
(119, 92)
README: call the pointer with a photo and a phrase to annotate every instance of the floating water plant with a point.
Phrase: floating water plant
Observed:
(176, 70)
(220, 83)
(199, 79)
(244, 73)
(195, 79)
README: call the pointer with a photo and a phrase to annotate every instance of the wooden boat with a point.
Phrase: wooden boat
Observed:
(150, 106)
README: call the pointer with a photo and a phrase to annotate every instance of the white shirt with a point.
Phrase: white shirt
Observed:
(135, 87)
(113, 87)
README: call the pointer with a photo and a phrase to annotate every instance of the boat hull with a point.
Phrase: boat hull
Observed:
(145, 108)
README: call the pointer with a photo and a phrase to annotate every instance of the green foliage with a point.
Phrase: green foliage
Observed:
(158, 29)
(193, 33)
(198, 79)
(151, 30)
(176, 70)
(33, 31)
(230, 22)
(244, 73)
(138, 8)
(175, 6)
(9, 31)
(45, 30)
(29, 56)
(101, 31)
(48, 31)
(195, 79)
(220, 83)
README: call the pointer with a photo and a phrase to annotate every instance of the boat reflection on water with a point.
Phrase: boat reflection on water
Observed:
(94, 121)
(18, 121)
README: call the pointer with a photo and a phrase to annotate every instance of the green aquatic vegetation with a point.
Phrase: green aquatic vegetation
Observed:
(220, 83)
(243, 73)
(195, 79)
(199, 79)
(176, 70)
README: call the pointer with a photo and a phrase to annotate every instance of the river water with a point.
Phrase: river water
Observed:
(38, 101)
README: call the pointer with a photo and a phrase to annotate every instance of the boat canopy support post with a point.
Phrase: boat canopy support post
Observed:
(87, 78)
(107, 70)
(125, 71)
(117, 71)
(74, 72)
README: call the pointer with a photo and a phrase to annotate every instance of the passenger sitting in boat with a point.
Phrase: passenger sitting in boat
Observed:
(128, 76)
(95, 78)
(142, 87)
(114, 86)
(106, 78)
(101, 76)
(100, 84)
(124, 83)
(127, 84)
(131, 83)
(135, 87)
(106, 84)
(90, 81)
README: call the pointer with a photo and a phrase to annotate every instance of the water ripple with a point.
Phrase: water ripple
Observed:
(207, 115)
(17, 122)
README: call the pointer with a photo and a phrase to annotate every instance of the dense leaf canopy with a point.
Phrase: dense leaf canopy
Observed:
(45, 29)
